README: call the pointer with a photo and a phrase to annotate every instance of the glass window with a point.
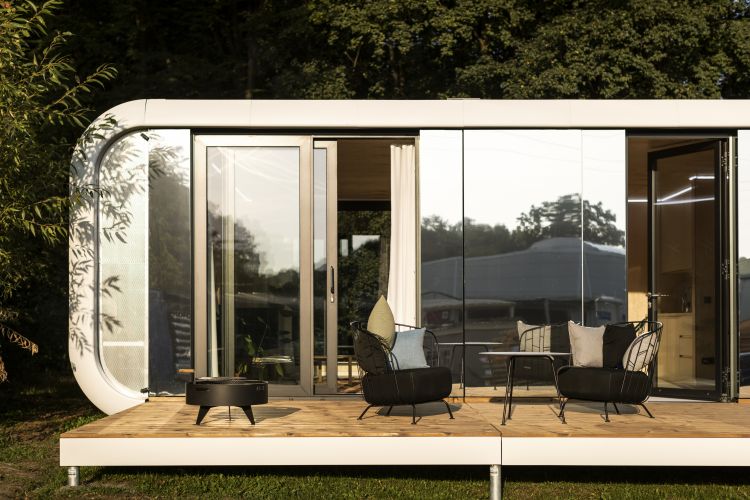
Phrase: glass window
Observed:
(743, 254)
(604, 208)
(522, 242)
(170, 262)
(123, 262)
(441, 206)
(254, 262)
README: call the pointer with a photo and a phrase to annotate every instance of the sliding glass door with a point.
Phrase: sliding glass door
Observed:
(253, 259)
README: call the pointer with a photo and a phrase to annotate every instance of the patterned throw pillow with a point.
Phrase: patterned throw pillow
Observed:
(381, 321)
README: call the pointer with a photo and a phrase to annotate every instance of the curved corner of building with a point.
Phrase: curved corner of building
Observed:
(82, 341)
(92, 381)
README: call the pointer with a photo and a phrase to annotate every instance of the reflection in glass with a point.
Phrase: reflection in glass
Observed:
(123, 261)
(684, 264)
(522, 240)
(441, 204)
(170, 261)
(320, 267)
(604, 208)
(743, 254)
(253, 239)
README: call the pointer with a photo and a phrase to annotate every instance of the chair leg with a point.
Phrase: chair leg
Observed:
(388, 413)
(449, 408)
(644, 407)
(363, 413)
(617, 410)
(606, 412)
(562, 411)
(413, 414)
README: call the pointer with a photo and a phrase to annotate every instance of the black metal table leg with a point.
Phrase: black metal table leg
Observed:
(508, 403)
(557, 386)
(202, 412)
(512, 383)
(249, 413)
(507, 387)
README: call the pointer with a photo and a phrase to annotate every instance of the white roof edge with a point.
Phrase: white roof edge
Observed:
(416, 114)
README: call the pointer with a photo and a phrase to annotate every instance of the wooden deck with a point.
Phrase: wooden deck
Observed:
(327, 432)
(166, 418)
(289, 418)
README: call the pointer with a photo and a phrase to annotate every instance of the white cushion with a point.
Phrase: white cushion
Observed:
(586, 345)
(532, 340)
(408, 350)
(381, 321)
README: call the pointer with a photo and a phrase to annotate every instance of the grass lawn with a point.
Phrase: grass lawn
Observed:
(31, 419)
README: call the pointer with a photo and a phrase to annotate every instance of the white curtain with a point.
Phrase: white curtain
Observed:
(402, 274)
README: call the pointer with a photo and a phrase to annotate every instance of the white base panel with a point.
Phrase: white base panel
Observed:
(281, 451)
(702, 452)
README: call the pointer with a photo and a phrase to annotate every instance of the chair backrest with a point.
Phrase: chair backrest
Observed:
(370, 350)
(545, 338)
(535, 339)
(641, 354)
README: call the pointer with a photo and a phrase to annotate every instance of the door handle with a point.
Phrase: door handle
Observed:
(333, 284)
(656, 295)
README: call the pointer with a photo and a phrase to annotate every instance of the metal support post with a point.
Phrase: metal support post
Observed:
(496, 483)
(74, 476)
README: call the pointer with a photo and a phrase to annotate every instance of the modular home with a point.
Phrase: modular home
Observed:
(225, 232)
(243, 237)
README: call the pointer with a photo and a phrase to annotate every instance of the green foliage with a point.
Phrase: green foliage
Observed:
(628, 49)
(430, 49)
(40, 103)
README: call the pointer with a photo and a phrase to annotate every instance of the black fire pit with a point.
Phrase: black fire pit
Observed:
(226, 391)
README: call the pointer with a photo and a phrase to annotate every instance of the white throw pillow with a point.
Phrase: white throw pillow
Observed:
(586, 345)
(532, 339)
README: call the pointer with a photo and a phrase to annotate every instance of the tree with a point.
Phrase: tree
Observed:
(40, 105)
(647, 49)
(562, 219)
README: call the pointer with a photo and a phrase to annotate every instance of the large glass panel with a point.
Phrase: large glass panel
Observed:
(320, 266)
(441, 206)
(743, 254)
(123, 262)
(170, 262)
(604, 214)
(684, 252)
(254, 262)
(522, 242)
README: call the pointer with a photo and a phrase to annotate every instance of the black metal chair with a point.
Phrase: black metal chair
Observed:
(629, 384)
(542, 338)
(383, 384)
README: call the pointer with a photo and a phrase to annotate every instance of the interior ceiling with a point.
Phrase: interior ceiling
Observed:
(638, 149)
(364, 169)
